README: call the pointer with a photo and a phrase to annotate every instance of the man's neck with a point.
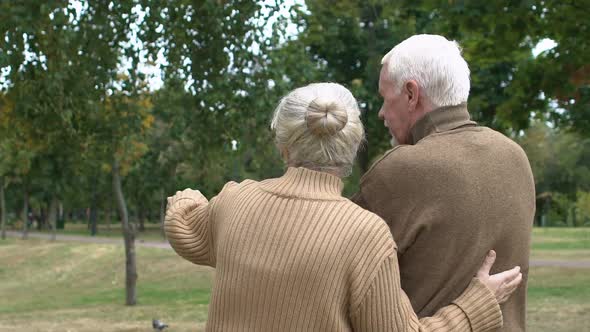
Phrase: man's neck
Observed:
(439, 120)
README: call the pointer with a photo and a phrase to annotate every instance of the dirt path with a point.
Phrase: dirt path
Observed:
(165, 245)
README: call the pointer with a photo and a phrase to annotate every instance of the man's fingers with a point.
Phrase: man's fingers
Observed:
(508, 288)
(513, 284)
(506, 282)
(508, 275)
(488, 262)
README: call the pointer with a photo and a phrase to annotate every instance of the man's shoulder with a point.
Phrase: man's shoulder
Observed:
(395, 157)
(503, 142)
(402, 159)
(493, 139)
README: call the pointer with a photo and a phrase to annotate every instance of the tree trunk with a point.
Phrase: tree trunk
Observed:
(574, 223)
(61, 215)
(53, 216)
(42, 218)
(3, 207)
(93, 223)
(162, 211)
(87, 214)
(141, 214)
(109, 214)
(26, 213)
(93, 207)
(128, 235)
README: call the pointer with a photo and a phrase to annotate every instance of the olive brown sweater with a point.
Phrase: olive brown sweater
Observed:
(292, 254)
(457, 191)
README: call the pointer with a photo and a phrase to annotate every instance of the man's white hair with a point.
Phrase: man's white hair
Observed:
(435, 63)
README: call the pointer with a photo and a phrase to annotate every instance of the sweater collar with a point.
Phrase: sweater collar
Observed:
(305, 183)
(440, 120)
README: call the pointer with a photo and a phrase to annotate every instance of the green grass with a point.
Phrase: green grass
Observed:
(76, 284)
(558, 299)
(561, 238)
(61, 286)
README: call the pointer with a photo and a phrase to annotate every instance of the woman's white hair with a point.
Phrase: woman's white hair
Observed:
(435, 63)
(319, 126)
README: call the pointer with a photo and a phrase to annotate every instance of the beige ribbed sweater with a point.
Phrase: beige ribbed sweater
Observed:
(291, 254)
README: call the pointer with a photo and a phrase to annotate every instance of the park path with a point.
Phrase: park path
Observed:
(165, 245)
(91, 239)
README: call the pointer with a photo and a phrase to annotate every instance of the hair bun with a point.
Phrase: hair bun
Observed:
(325, 116)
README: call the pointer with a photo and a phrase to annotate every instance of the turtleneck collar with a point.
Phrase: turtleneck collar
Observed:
(305, 183)
(440, 120)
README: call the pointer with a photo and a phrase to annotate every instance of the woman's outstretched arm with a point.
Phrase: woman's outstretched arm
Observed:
(187, 226)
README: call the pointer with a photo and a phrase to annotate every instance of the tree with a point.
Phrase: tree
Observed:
(509, 86)
(559, 160)
(563, 71)
(41, 44)
(17, 150)
(583, 208)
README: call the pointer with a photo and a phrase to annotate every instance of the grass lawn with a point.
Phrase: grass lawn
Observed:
(80, 287)
(61, 286)
(559, 298)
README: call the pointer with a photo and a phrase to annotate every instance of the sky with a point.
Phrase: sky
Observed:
(544, 45)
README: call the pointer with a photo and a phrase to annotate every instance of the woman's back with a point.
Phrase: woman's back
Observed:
(291, 254)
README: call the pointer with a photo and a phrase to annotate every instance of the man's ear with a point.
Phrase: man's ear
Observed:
(413, 91)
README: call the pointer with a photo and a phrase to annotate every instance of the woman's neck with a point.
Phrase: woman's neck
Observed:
(336, 171)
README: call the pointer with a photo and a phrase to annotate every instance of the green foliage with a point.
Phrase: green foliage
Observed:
(77, 94)
(509, 86)
(559, 211)
(559, 160)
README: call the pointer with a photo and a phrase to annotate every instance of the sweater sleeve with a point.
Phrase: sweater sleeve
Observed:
(190, 224)
(187, 226)
(385, 307)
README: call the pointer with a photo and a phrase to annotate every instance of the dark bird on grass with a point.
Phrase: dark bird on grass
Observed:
(160, 326)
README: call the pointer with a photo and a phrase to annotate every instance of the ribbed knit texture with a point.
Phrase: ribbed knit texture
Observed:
(291, 254)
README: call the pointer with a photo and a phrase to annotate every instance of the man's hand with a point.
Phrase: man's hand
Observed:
(502, 284)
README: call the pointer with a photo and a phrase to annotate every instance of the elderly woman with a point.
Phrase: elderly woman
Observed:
(292, 254)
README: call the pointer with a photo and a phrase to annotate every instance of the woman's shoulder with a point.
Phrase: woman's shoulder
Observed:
(366, 215)
(233, 186)
(367, 224)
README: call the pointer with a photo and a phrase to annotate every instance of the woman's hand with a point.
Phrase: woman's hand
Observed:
(193, 195)
(502, 284)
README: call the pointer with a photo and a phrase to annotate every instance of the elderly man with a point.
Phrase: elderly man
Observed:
(451, 190)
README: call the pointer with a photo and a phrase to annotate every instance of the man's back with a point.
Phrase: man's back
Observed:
(458, 192)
